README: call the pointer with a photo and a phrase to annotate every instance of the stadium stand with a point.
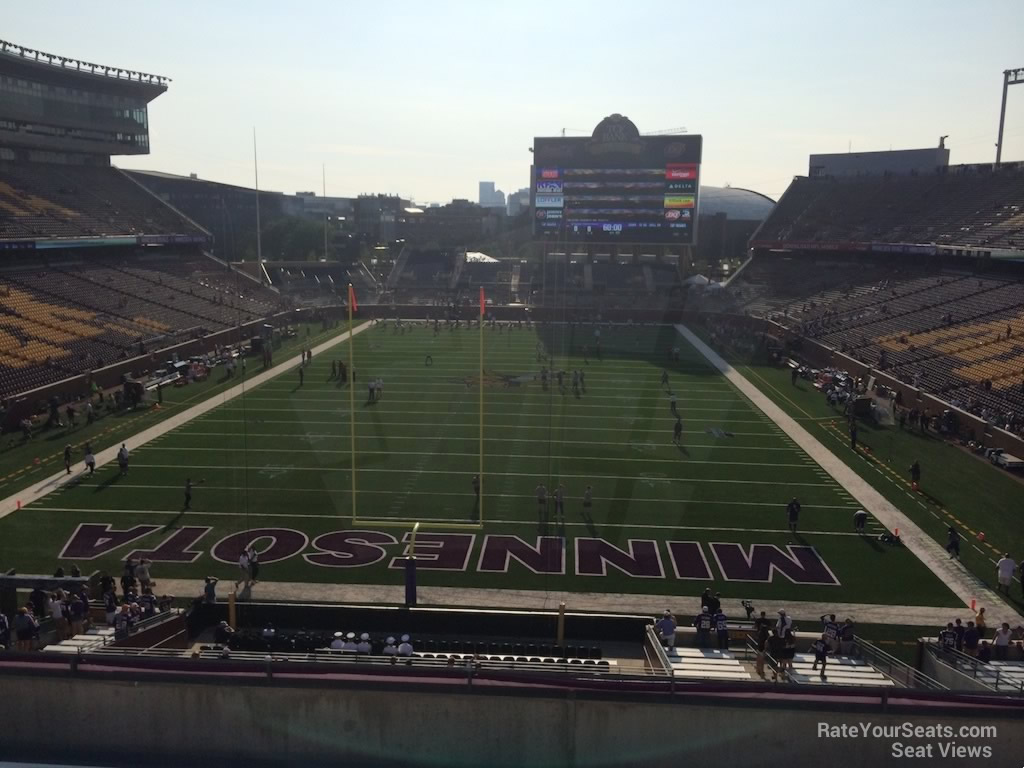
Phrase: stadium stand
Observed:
(74, 316)
(968, 205)
(49, 200)
(952, 333)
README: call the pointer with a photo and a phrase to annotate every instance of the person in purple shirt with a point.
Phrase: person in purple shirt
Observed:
(666, 628)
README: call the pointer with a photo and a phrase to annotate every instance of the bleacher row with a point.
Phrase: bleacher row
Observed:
(75, 316)
(40, 200)
(954, 334)
(957, 206)
(708, 664)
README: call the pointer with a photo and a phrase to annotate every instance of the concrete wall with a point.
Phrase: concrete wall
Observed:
(245, 722)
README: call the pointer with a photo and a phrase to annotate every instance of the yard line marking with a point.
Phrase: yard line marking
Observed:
(491, 424)
(325, 435)
(534, 475)
(364, 410)
(463, 494)
(441, 520)
(683, 462)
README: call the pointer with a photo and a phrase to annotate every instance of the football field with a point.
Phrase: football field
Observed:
(275, 467)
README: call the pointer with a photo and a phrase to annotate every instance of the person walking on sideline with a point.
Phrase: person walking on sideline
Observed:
(953, 543)
(243, 568)
(122, 459)
(67, 458)
(1004, 570)
(915, 475)
(860, 519)
(793, 514)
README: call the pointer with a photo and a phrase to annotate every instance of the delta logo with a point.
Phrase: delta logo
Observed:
(549, 173)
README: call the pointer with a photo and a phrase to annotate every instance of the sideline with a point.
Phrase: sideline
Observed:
(527, 599)
(54, 482)
(962, 582)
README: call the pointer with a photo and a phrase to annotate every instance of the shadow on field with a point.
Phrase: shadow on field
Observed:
(873, 543)
(113, 478)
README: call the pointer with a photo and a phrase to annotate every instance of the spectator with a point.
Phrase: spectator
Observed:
(24, 628)
(390, 649)
(350, 643)
(405, 647)
(77, 615)
(979, 622)
(338, 643)
(269, 633)
(243, 568)
(5, 631)
(223, 633)
(110, 606)
(821, 649)
(784, 623)
(363, 646)
(971, 638)
(846, 637)
(254, 565)
(761, 635)
(947, 638)
(128, 576)
(210, 590)
(56, 608)
(830, 631)
(123, 621)
(722, 630)
(762, 620)
(1002, 642)
(788, 651)
(142, 574)
(147, 602)
(703, 624)
(984, 652)
(666, 629)
(1004, 571)
(958, 630)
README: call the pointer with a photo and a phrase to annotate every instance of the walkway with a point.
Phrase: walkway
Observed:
(56, 480)
(524, 599)
(962, 582)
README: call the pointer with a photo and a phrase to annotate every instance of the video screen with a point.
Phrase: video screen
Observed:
(645, 195)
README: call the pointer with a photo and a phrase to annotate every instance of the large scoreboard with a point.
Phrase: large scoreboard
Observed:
(616, 186)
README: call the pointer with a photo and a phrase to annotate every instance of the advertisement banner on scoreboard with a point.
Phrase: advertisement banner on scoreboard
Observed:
(680, 201)
(550, 201)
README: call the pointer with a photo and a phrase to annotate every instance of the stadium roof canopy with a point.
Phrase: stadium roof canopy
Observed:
(735, 203)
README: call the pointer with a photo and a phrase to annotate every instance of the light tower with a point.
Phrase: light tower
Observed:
(1010, 77)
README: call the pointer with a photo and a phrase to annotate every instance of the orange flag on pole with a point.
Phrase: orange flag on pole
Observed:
(352, 298)
(481, 301)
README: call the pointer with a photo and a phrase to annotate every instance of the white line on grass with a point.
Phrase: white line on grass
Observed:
(327, 491)
(440, 520)
(641, 478)
(473, 439)
(474, 454)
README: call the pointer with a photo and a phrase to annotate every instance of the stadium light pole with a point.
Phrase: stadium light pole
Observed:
(1010, 77)
(323, 175)
(256, 169)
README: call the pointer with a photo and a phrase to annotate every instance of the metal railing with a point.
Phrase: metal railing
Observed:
(992, 676)
(898, 671)
(104, 641)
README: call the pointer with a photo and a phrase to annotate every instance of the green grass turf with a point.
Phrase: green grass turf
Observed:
(18, 468)
(957, 488)
(281, 457)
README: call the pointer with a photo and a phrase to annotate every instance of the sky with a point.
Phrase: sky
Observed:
(426, 99)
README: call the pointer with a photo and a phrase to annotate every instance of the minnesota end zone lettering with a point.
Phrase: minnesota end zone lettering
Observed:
(802, 565)
(547, 555)
(349, 549)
